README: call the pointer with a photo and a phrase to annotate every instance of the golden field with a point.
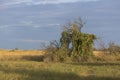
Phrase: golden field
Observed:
(37, 55)
(25, 65)
(4, 52)
(20, 54)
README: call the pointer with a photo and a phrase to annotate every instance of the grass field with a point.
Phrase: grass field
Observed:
(25, 65)
(30, 70)
(33, 55)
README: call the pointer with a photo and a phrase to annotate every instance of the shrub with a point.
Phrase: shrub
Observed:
(81, 47)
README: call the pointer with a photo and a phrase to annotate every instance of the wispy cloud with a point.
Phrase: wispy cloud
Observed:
(5, 3)
(59, 1)
(33, 41)
(4, 26)
(33, 24)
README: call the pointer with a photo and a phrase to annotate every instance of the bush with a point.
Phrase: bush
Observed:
(81, 44)
(113, 48)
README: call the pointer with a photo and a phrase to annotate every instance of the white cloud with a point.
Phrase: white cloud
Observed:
(59, 1)
(38, 2)
(4, 26)
(54, 24)
(6, 29)
(27, 22)
(33, 41)
(33, 24)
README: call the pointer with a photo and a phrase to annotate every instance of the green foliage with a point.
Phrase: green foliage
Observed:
(81, 46)
(65, 40)
(81, 42)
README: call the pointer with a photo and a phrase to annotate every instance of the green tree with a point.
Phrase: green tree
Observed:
(81, 42)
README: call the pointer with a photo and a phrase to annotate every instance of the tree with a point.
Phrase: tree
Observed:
(81, 42)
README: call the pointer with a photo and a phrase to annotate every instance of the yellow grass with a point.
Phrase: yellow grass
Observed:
(98, 53)
(105, 56)
(35, 52)
(37, 55)
(20, 54)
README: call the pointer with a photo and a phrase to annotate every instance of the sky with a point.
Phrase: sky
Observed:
(26, 24)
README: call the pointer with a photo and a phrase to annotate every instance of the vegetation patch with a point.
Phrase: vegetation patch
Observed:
(30, 70)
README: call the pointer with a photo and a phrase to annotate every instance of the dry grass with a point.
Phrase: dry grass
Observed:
(31, 70)
(98, 53)
(37, 55)
(103, 56)
(21, 54)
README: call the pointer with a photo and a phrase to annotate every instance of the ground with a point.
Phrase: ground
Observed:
(23, 65)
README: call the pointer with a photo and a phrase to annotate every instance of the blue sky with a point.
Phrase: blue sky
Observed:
(26, 24)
